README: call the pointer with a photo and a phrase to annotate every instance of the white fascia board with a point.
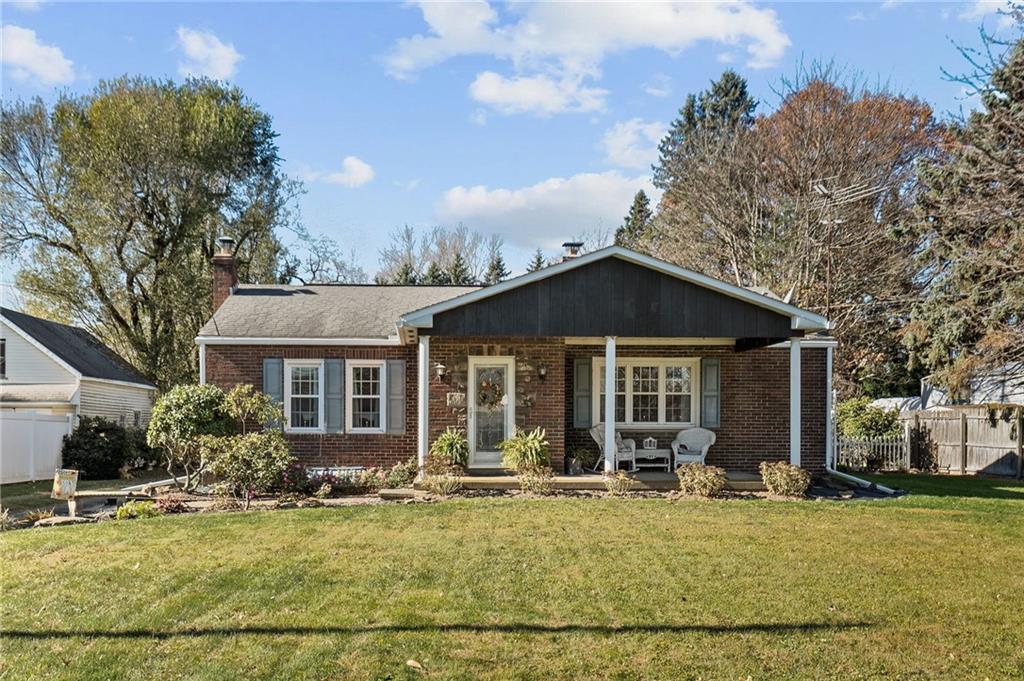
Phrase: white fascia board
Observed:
(629, 340)
(42, 348)
(111, 381)
(244, 340)
(808, 320)
(810, 343)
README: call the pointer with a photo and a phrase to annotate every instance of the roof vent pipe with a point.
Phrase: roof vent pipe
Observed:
(571, 249)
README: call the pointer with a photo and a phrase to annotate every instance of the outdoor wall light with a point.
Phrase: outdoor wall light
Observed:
(542, 371)
(440, 371)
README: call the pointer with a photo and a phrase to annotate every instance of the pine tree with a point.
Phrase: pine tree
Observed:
(725, 105)
(496, 270)
(458, 272)
(435, 276)
(537, 262)
(634, 229)
(406, 275)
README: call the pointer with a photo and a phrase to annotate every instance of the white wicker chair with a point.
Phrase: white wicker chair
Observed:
(625, 450)
(692, 445)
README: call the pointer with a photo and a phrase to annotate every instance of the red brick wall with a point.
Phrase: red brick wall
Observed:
(754, 404)
(229, 365)
(755, 397)
(539, 402)
(225, 278)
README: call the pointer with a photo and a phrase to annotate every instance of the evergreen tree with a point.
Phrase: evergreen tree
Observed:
(725, 105)
(458, 272)
(496, 270)
(435, 275)
(537, 262)
(634, 229)
(405, 276)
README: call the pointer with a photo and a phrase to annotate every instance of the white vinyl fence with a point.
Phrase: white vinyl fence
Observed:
(873, 453)
(30, 445)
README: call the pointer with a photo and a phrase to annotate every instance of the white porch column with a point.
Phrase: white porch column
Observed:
(202, 364)
(423, 403)
(609, 404)
(794, 401)
(830, 437)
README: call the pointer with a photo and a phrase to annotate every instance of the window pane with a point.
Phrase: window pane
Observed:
(677, 380)
(645, 394)
(620, 394)
(677, 408)
(677, 394)
(366, 397)
(304, 409)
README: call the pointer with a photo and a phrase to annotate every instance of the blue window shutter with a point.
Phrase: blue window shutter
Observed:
(582, 392)
(273, 381)
(334, 395)
(711, 394)
(396, 397)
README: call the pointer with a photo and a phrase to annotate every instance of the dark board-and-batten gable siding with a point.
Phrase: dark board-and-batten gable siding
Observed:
(612, 297)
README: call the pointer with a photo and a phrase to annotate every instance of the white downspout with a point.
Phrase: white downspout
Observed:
(422, 404)
(830, 436)
(202, 363)
(609, 405)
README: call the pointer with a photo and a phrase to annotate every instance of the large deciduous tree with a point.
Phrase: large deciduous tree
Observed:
(113, 202)
(808, 202)
(972, 227)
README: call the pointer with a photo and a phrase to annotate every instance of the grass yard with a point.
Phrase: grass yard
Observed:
(924, 586)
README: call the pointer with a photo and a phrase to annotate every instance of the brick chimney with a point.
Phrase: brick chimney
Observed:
(571, 249)
(225, 271)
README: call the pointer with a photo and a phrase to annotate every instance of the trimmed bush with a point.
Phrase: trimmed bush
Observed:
(250, 464)
(700, 480)
(855, 419)
(442, 485)
(619, 483)
(525, 451)
(133, 509)
(449, 453)
(537, 480)
(784, 479)
(99, 449)
(402, 474)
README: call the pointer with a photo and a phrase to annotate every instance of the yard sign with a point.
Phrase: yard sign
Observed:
(65, 483)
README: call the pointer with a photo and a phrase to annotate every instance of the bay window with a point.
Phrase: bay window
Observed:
(365, 392)
(304, 396)
(651, 391)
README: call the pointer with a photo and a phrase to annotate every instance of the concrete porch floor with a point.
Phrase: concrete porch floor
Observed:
(645, 480)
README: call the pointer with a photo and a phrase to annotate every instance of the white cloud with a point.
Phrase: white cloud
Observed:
(545, 214)
(632, 143)
(409, 185)
(555, 49)
(540, 95)
(660, 85)
(355, 172)
(206, 55)
(981, 9)
(28, 59)
(26, 5)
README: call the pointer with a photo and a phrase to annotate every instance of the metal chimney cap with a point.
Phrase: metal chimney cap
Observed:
(225, 245)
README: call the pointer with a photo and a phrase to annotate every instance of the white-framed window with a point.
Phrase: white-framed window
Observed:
(304, 396)
(365, 390)
(651, 391)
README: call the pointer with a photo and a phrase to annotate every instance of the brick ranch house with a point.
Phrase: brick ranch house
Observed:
(370, 375)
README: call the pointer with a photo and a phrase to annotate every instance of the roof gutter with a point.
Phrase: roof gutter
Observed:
(244, 340)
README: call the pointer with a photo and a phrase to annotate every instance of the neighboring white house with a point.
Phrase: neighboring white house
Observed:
(50, 375)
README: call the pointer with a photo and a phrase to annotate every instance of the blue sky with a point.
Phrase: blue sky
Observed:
(536, 122)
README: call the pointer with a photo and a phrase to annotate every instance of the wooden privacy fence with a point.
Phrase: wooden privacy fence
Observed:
(873, 453)
(970, 439)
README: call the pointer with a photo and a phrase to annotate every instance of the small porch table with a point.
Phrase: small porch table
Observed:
(654, 458)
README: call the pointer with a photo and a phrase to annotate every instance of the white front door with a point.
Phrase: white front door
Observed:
(491, 405)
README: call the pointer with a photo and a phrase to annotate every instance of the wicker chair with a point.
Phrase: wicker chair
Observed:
(692, 445)
(625, 450)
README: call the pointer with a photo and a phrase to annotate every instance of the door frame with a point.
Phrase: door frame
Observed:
(509, 362)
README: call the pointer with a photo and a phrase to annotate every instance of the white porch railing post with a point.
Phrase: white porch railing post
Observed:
(423, 404)
(830, 433)
(794, 401)
(609, 404)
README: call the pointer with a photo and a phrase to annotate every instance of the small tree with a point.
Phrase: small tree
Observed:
(637, 223)
(180, 418)
(458, 272)
(247, 405)
(496, 270)
(537, 262)
(250, 464)
(856, 418)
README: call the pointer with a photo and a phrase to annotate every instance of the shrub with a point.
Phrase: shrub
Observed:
(324, 491)
(137, 509)
(180, 418)
(784, 479)
(449, 452)
(370, 481)
(99, 449)
(525, 450)
(699, 480)
(619, 483)
(249, 464)
(442, 485)
(6, 521)
(537, 480)
(32, 517)
(169, 505)
(294, 480)
(586, 458)
(855, 419)
(250, 407)
(402, 474)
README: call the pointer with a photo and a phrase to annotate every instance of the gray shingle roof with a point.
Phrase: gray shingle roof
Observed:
(321, 311)
(77, 347)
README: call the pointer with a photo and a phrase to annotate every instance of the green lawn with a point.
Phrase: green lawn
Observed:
(920, 587)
